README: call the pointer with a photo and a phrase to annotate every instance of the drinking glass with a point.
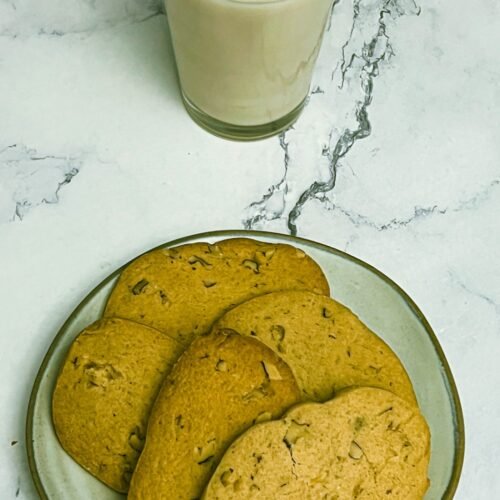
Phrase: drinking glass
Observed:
(245, 66)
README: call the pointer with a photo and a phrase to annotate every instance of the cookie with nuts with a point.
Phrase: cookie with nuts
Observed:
(325, 344)
(366, 443)
(221, 385)
(104, 393)
(183, 290)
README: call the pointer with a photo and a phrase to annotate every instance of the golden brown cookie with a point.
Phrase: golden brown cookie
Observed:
(183, 290)
(219, 387)
(104, 394)
(327, 347)
(366, 444)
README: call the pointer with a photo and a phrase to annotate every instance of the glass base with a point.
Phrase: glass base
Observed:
(241, 132)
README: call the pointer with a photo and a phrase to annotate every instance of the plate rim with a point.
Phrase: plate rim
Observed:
(459, 434)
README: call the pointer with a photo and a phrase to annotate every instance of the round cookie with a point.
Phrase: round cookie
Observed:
(365, 444)
(327, 347)
(104, 393)
(183, 290)
(220, 386)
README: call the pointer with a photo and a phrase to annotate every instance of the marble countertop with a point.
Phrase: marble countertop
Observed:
(396, 160)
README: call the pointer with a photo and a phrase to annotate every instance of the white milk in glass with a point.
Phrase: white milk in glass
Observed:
(247, 62)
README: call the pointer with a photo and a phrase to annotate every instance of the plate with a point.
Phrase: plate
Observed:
(375, 298)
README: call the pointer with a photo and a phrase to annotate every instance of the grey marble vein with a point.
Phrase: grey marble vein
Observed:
(469, 289)
(349, 94)
(19, 18)
(29, 178)
(261, 211)
(419, 213)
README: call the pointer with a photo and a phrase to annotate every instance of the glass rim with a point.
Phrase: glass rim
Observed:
(458, 458)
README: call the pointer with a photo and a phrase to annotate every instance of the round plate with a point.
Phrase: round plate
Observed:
(376, 299)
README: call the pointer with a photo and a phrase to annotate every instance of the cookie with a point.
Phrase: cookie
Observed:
(220, 386)
(104, 393)
(327, 347)
(366, 443)
(183, 290)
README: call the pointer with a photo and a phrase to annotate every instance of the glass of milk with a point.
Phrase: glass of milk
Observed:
(245, 66)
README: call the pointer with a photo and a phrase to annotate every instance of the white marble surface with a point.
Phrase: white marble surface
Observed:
(396, 159)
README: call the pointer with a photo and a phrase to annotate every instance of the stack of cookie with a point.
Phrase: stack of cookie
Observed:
(226, 371)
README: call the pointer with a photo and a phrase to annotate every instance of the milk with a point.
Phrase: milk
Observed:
(246, 62)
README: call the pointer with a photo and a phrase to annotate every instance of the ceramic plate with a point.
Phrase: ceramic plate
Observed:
(377, 300)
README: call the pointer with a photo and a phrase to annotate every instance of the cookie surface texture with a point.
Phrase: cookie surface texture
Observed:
(183, 290)
(326, 345)
(220, 386)
(365, 444)
(104, 393)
